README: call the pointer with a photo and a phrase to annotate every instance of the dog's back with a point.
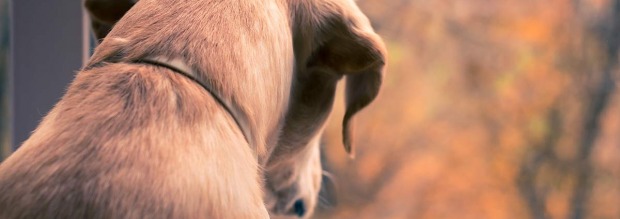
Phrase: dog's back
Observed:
(130, 140)
(123, 143)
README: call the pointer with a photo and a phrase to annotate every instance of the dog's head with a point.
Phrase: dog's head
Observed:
(332, 39)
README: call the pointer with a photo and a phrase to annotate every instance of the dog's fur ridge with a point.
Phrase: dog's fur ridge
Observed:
(132, 140)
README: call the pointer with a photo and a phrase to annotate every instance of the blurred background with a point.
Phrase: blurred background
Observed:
(490, 109)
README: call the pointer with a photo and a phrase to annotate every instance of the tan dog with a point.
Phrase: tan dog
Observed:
(198, 109)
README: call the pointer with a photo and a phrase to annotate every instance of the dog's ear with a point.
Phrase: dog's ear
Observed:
(350, 47)
(105, 13)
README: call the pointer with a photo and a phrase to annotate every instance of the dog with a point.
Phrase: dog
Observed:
(198, 109)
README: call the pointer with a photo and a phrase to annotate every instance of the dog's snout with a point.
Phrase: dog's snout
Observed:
(299, 208)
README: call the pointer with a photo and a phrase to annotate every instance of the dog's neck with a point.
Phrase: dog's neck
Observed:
(179, 66)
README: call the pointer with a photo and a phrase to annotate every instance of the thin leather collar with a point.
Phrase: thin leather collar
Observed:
(180, 67)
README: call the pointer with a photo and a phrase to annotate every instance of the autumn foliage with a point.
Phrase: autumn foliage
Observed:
(490, 109)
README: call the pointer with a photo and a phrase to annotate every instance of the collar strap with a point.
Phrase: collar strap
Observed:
(180, 67)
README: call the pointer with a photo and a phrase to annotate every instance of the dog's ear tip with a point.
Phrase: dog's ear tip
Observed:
(346, 134)
(351, 155)
(348, 147)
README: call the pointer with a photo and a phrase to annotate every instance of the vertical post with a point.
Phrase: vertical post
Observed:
(47, 50)
(88, 41)
(5, 85)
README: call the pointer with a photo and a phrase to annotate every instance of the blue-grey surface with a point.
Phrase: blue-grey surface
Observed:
(47, 52)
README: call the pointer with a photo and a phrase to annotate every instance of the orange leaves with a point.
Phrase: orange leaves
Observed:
(466, 101)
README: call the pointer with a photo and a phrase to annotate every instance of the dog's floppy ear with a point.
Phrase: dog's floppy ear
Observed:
(350, 47)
